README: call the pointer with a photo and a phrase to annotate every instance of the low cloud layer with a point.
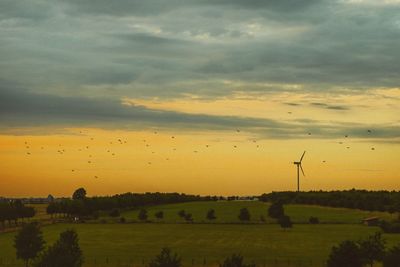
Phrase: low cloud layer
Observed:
(21, 109)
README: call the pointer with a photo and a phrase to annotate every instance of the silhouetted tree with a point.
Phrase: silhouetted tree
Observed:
(372, 248)
(28, 242)
(276, 210)
(64, 253)
(166, 259)
(244, 214)
(142, 215)
(235, 260)
(313, 220)
(347, 254)
(115, 213)
(159, 215)
(211, 215)
(392, 257)
(285, 222)
(182, 213)
(79, 194)
(188, 217)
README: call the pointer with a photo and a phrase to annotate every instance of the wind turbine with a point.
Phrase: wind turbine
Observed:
(298, 164)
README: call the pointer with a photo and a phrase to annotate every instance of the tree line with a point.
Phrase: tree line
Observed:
(12, 211)
(355, 199)
(80, 205)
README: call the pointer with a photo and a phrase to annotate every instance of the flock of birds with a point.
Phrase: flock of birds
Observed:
(120, 141)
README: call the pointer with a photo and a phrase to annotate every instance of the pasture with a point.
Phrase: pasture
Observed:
(228, 211)
(206, 244)
(196, 243)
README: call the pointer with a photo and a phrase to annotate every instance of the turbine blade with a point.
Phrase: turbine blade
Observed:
(302, 156)
(302, 170)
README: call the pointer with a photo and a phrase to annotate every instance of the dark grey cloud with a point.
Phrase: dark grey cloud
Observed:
(329, 106)
(20, 108)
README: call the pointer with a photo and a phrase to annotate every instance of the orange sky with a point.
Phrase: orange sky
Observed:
(185, 163)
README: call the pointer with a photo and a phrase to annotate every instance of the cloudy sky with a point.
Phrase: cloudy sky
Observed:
(208, 97)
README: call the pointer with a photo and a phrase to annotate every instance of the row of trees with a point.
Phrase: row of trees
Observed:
(364, 252)
(80, 205)
(13, 211)
(359, 199)
(30, 247)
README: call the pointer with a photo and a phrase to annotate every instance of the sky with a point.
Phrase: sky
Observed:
(197, 96)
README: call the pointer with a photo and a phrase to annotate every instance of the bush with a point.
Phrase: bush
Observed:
(392, 257)
(122, 220)
(313, 220)
(262, 218)
(28, 242)
(166, 259)
(244, 214)
(347, 254)
(236, 260)
(285, 222)
(276, 210)
(142, 215)
(159, 215)
(114, 213)
(64, 253)
(182, 213)
(188, 217)
(211, 215)
(390, 227)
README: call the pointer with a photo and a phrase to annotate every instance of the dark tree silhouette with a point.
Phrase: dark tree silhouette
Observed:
(159, 215)
(235, 260)
(79, 194)
(28, 242)
(244, 214)
(142, 215)
(182, 213)
(64, 253)
(115, 213)
(188, 217)
(392, 257)
(313, 220)
(211, 215)
(347, 254)
(285, 222)
(166, 259)
(372, 248)
(276, 210)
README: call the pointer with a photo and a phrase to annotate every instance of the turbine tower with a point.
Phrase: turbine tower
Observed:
(298, 164)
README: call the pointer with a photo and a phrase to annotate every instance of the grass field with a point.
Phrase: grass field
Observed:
(228, 211)
(309, 244)
(115, 244)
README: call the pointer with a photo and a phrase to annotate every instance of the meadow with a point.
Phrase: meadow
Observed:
(207, 244)
(228, 211)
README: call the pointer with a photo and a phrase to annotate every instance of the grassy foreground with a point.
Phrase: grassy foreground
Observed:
(308, 245)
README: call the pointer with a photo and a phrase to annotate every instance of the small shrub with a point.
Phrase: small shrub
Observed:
(392, 257)
(114, 213)
(188, 217)
(236, 260)
(313, 220)
(276, 210)
(182, 213)
(122, 220)
(244, 214)
(166, 259)
(159, 215)
(142, 215)
(211, 215)
(285, 222)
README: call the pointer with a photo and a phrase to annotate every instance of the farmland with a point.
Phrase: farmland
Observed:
(201, 243)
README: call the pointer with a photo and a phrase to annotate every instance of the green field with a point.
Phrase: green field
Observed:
(228, 211)
(259, 243)
(201, 244)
